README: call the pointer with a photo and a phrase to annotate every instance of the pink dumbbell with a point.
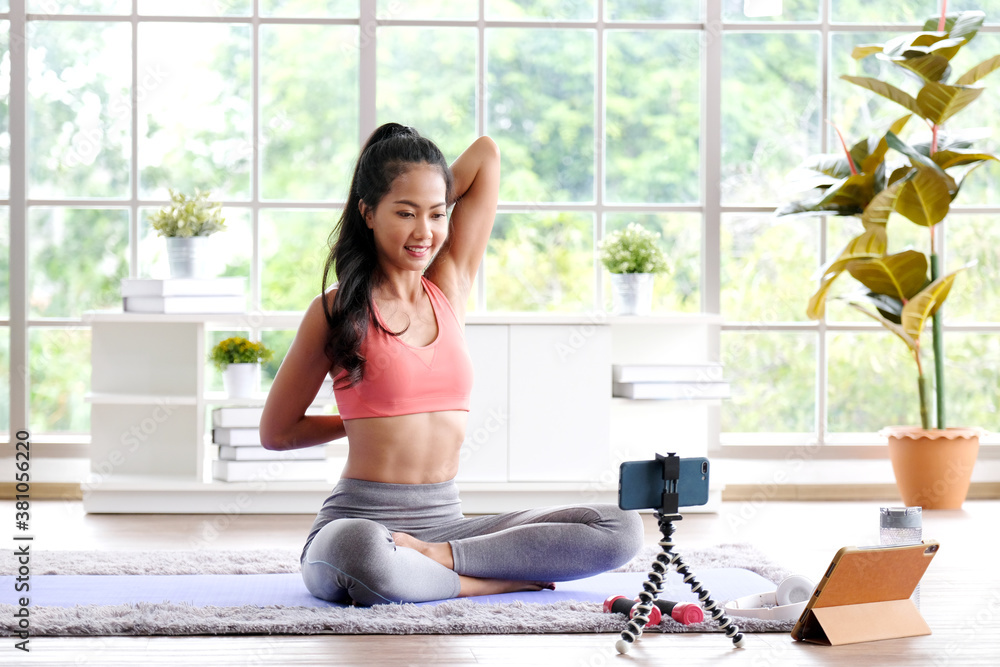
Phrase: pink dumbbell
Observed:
(685, 613)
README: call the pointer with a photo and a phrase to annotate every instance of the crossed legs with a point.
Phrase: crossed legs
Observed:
(362, 560)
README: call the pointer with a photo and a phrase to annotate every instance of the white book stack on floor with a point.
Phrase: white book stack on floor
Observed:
(242, 458)
(184, 295)
(669, 381)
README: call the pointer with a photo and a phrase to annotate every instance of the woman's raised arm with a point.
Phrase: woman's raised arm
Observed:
(477, 189)
(284, 424)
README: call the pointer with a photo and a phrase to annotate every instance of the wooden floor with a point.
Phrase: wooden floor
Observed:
(960, 596)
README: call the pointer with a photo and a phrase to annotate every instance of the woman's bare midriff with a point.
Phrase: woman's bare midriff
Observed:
(408, 449)
(419, 449)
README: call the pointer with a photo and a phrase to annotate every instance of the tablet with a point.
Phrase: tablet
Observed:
(865, 596)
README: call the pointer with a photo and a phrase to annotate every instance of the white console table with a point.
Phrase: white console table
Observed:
(543, 428)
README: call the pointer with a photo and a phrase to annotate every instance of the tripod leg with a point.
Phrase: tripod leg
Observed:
(650, 589)
(654, 585)
(704, 596)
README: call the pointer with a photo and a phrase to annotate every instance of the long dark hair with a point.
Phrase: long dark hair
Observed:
(388, 153)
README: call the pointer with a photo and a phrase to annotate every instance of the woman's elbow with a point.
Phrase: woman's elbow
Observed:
(271, 437)
(273, 443)
(490, 147)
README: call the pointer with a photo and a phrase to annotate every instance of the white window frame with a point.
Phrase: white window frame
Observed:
(711, 208)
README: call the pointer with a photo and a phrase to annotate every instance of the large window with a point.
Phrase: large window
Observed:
(685, 117)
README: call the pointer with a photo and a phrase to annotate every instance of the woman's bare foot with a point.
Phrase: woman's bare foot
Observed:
(437, 551)
(470, 586)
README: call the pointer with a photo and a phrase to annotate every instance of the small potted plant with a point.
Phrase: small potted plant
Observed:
(186, 224)
(238, 359)
(633, 257)
(904, 291)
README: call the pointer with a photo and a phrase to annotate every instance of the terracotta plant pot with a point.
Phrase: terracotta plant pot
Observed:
(933, 466)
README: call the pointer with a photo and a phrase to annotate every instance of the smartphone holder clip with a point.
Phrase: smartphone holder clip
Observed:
(671, 465)
(666, 514)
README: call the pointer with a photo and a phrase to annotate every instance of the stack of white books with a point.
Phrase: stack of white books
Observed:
(184, 295)
(669, 381)
(242, 458)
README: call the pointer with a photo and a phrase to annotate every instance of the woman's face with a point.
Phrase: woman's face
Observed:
(410, 224)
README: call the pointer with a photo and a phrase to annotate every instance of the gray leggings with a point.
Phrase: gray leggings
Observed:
(350, 554)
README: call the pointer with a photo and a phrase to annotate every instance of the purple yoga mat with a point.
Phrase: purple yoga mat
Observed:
(232, 590)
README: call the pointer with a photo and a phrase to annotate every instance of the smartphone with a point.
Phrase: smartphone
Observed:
(641, 485)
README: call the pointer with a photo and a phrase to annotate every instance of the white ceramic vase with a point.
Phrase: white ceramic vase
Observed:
(188, 256)
(240, 380)
(632, 293)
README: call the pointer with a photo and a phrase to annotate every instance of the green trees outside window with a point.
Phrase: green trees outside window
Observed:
(598, 128)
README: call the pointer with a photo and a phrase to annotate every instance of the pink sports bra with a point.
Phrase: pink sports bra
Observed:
(400, 379)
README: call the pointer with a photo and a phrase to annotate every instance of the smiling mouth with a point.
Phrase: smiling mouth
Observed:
(417, 249)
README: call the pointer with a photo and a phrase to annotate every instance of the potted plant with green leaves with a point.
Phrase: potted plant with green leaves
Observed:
(238, 358)
(904, 291)
(186, 223)
(633, 257)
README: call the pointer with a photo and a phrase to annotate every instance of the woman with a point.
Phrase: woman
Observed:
(390, 332)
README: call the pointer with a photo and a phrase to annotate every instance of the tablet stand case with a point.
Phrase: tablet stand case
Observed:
(866, 597)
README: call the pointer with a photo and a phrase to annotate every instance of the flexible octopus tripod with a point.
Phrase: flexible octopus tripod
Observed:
(666, 515)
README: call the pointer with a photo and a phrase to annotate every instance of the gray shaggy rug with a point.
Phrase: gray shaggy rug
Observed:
(452, 617)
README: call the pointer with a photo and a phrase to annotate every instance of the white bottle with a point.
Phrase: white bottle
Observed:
(902, 525)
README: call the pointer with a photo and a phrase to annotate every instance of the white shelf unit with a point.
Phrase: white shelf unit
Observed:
(146, 410)
(539, 428)
(151, 448)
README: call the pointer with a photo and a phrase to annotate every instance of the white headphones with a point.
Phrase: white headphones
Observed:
(784, 604)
